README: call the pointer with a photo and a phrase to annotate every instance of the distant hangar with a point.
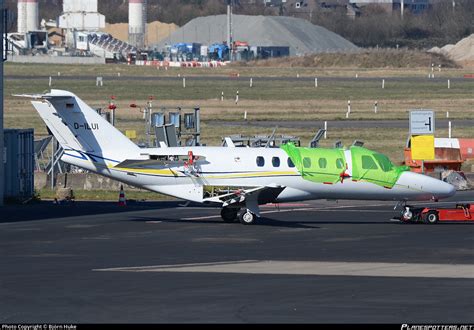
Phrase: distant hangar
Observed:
(301, 36)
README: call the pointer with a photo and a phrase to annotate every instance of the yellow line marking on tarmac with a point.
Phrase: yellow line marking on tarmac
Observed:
(318, 268)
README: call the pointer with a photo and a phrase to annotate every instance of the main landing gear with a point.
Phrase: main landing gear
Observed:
(231, 214)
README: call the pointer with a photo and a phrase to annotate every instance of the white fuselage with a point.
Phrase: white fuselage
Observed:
(93, 143)
(237, 167)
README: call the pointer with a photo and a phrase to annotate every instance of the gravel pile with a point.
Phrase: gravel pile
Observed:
(300, 35)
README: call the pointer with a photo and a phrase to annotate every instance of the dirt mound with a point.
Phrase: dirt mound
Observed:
(373, 58)
(156, 31)
(462, 52)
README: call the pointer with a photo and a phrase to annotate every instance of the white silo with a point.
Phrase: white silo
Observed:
(28, 15)
(136, 22)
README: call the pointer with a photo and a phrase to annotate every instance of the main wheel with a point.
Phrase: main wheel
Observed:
(247, 218)
(229, 214)
(431, 217)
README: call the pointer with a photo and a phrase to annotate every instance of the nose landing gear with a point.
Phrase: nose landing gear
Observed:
(247, 218)
(411, 214)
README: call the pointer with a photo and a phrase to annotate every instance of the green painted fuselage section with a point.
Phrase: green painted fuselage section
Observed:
(330, 166)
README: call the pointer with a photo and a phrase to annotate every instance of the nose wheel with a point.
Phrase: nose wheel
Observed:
(247, 218)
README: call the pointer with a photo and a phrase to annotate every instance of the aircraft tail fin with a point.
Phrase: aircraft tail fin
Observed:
(79, 127)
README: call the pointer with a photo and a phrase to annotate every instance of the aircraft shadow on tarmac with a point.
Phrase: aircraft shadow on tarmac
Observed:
(261, 222)
(268, 222)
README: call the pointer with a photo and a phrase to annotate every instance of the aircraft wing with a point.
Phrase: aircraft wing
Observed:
(149, 163)
(252, 197)
(157, 163)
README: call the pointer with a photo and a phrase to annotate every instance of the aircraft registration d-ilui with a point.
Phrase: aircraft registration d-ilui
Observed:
(236, 179)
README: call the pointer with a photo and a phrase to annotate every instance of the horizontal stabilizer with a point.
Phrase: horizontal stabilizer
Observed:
(47, 96)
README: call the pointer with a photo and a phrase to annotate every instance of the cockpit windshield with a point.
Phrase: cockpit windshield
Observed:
(383, 161)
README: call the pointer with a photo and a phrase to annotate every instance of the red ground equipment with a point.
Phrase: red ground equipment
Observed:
(432, 215)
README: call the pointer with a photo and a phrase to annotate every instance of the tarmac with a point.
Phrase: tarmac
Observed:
(159, 262)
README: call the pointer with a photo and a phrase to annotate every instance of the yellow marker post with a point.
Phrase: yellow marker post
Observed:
(131, 134)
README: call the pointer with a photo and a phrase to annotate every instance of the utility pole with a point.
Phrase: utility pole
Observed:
(402, 8)
(229, 27)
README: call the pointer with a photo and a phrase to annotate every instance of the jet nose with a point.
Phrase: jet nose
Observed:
(428, 187)
(437, 188)
(447, 190)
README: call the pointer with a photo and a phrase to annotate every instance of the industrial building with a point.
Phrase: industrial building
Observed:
(414, 6)
(137, 23)
(306, 8)
(79, 31)
(28, 15)
(29, 36)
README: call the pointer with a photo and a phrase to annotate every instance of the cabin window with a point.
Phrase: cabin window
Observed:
(384, 163)
(368, 163)
(276, 162)
(260, 161)
(306, 162)
(322, 162)
(339, 163)
(290, 163)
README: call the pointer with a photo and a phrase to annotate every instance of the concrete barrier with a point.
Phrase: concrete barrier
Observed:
(89, 181)
(79, 181)
(56, 59)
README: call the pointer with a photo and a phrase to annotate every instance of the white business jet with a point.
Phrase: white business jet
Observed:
(236, 179)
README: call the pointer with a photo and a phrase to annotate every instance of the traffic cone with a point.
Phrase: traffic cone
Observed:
(122, 201)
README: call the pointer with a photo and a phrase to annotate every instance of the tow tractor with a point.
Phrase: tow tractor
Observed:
(432, 215)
